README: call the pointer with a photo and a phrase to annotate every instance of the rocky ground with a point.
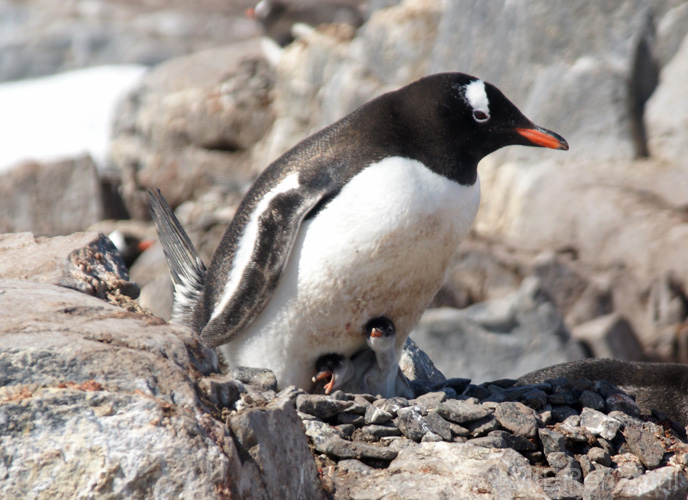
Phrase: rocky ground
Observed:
(572, 256)
(102, 398)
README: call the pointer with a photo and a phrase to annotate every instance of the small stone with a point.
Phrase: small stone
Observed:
(482, 426)
(495, 397)
(431, 437)
(489, 442)
(320, 405)
(458, 384)
(561, 413)
(643, 441)
(392, 405)
(592, 400)
(355, 466)
(380, 431)
(341, 448)
(411, 423)
(665, 483)
(599, 424)
(627, 465)
(607, 446)
(552, 441)
(350, 418)
(259, 379)
(346, 430)
(518, 443)
(357, 409)
(564, 397)
(431, 399)
(598, 455)
(339, 396)
(439, 426)
(546, 416)
(623, 403)
(586, 464)
(517, 418)
(606, 389)
(535, 398)
(599, 484)
(461, 412)
(458, 430)
(562, 488)
(565, 466)
(375, 415)
(476, 391)
(625, 418)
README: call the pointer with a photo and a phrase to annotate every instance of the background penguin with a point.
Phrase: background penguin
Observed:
(358, 221)
(656, 386)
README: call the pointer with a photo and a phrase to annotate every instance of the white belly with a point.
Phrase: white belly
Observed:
(380, 248)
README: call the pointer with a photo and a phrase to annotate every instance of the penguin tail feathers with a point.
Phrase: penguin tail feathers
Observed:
(186, 267)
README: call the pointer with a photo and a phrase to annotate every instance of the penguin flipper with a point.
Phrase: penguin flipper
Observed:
(186, 266)
(248, 288)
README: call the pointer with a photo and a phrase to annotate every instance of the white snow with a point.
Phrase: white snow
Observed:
(61, 115)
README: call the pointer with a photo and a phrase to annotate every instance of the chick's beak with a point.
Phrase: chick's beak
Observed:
(539, 136)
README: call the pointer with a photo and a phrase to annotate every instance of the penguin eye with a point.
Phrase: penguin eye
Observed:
(480, 116)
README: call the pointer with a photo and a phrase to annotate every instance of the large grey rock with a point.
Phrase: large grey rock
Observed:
(50, 198)
(96, 401)
(444, 470)
(189, 124)
(497, 339)
(667, 110)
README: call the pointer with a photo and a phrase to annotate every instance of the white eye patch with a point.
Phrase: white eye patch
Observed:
(476, 96)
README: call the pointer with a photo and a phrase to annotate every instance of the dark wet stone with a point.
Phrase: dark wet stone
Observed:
(561, 413)
(320, 405)
(517, 418)
(623, 403)
(461, 412)
(476, 391)
(606, 389)
(458, 384)
(535, 399)
(564, 397)
(592, 400)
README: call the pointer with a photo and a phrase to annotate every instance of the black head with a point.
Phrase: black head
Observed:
(450, 121)
(380, 327)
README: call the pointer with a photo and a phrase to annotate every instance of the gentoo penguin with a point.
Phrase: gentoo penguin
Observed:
(384, 376)
(373, 370)
(334, 371)
(656, 386)
(358, 221)
(281, 19)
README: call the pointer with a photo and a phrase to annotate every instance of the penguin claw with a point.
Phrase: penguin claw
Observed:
(325, 375)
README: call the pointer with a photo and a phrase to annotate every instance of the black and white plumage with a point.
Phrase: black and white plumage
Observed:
(358, 221)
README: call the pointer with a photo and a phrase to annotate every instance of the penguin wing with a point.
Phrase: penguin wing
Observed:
(259, 255)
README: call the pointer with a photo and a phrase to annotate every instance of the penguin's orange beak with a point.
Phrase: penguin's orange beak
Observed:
(542, 137)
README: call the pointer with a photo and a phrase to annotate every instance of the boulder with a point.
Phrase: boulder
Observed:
(50, 198)
(190, 123)
(499, 338)
(99, 401)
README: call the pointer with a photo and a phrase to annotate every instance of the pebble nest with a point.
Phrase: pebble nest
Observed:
(569, 430)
